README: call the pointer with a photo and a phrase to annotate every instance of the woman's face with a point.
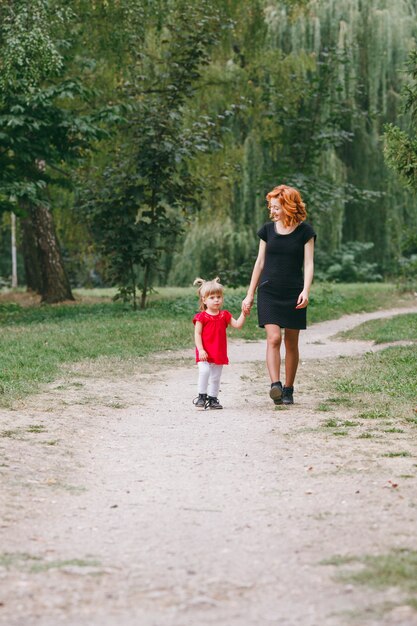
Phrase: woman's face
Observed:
(276, 210)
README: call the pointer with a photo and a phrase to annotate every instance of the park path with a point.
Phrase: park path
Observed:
(128, 507)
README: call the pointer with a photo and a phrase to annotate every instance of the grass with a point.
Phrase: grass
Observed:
(393, 455)
(37, 340)
(398, 328)
(395, 569)
(382, 386)
(34, 564)
(385, 384)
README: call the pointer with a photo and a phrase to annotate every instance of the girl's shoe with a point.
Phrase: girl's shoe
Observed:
(287, 395)
(212, 403)
(200, 401)
(275, 392)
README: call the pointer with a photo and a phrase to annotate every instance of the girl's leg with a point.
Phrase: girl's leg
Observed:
(214, 380)
(291, 355)
(273, 356)
(203, 376)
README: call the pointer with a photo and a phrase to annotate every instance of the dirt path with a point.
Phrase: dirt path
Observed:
(122, 504)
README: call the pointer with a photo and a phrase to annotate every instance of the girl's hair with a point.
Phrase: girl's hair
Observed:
(291, 203)
(208, 288)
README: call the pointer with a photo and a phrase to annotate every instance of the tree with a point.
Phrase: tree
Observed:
(400, 147)
(43, 130)
(145, 193)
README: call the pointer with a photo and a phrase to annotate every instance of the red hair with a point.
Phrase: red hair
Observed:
(291, 203)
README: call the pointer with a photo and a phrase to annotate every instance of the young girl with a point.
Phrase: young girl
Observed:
(211, 341)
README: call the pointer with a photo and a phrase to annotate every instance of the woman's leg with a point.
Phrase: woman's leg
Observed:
(273, 356)
(214, 380)
(291, 355)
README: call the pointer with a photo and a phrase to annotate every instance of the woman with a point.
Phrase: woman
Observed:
(286, 244)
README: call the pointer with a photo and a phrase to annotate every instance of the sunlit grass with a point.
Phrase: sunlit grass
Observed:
(395, 569)
(398, 328)
(36, 340)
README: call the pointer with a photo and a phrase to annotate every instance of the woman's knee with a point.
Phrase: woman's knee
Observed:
(274, 340)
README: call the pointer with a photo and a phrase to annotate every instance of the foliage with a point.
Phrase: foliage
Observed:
(347, 264)
(292, 91)
(139, 203)
(43, 123)
(29, 53)
(216, 248)
(400, 147)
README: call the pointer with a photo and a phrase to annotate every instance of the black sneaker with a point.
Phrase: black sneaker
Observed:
(287, 397)
(275, 392)
(200, 401)
(212, 403)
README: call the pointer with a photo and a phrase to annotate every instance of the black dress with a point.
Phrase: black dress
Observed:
(282, 281)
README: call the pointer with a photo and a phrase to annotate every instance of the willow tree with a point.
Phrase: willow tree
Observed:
(374, 37)
(401, 154)
(288, 115)
(317, 81)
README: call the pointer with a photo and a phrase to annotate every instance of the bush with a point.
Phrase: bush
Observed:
(347, 264)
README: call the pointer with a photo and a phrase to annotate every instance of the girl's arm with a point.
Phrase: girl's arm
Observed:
(239, 322)
(308, 274)
(202, 354)
(256, 273)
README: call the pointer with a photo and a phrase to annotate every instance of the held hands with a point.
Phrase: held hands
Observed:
(302, 301)
(247, 305)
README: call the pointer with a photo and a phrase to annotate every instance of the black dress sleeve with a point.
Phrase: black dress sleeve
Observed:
(308, 232)
(263, 232)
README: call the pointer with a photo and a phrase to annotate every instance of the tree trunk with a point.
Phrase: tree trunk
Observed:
(50, 278)
(14, 253)
(31, 257)
(145, 286)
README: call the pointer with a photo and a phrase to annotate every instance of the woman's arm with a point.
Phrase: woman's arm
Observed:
(202, 354)
(302, 301)
(256, 273)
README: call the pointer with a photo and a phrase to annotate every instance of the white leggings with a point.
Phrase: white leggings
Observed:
(209, 378)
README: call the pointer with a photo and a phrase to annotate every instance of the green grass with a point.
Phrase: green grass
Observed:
(27, 562)
(390, 372)
(398, 328)
(385, 385)
(395, 569)
(330, 301)
(35, 341)
(393, 455)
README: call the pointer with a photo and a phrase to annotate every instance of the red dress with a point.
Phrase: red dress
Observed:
(213, 336)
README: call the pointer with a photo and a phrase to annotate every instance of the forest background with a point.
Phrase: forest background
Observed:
(138, 138)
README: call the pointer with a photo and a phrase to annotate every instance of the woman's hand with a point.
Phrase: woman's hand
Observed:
(202, 355)
(302, 301)
(247, 305)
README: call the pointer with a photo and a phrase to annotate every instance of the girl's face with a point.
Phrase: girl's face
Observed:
(213, 301)
(276, 210)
